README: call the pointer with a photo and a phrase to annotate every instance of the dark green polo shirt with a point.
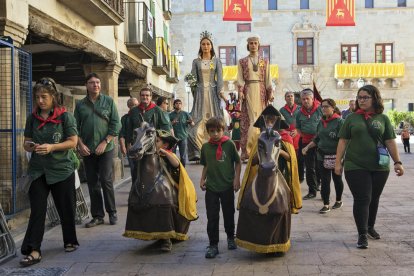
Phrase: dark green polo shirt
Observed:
(124, 125)
(361, 153)
(57, 165)
(307, 124)
(154, 116)
(220, 173)
(180, 126)
(97, 120)
(290, 118)
(327, 138)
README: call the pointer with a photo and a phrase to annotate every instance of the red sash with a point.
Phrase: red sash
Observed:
(291, 111)
(219, 151)
(57, 111)
(314, 107)
(145, 109)
(333, 117)
(366, 114)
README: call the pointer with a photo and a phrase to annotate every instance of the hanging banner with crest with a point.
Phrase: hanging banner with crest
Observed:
(237, 10)
(340, 12)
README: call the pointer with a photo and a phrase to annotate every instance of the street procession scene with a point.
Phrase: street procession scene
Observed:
(206, 137)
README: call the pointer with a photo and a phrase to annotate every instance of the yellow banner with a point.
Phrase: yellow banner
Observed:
(230, 72)
(369, 70)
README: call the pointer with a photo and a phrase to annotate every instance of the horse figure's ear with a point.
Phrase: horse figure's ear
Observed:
(144, 125)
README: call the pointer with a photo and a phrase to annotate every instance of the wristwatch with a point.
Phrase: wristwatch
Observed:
(398, 162)
(107, 141)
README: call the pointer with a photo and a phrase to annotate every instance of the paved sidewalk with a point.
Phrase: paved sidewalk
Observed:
(321, 244)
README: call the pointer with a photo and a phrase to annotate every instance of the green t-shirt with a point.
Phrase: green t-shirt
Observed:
(155, 116)
(124, 125)
(309, 124)
(290, 117)
(96, 120)
(361, 153)
(57, 165)
(179, 122)
(220, 173)
(327, 138)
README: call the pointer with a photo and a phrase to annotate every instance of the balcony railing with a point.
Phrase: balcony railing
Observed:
(162, 57)
(174, 74)
(351, 75)
(139, 30)
(98, 12)
(166, 9)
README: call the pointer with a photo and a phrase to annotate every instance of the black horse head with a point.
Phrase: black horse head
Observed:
(268, 149)
(145, 137)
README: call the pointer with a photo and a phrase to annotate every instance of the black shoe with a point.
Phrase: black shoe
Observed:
(94, 222)
(324, 210)
(362, 241)
(309, 196)
(166, 245)
(231, 244)
(113, 219)
(212, 251)
(337, 205)
(373, 234)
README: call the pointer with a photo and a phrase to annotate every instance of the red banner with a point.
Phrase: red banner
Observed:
(340, 12)
(237, 10)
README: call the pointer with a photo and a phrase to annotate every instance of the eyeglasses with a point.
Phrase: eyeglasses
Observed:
(46, 82)
(325, 106)
(363, 98)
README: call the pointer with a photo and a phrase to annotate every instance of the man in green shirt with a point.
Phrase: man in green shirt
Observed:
(180, 121)
(98, 123)
(148, 112)
(306, 123)
(131, 103)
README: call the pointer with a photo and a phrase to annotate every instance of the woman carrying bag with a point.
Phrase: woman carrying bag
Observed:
(326, 140)
(369, 140)
(50, 135)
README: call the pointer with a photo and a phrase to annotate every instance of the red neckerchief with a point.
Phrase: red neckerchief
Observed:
(366, 114)
(285, 136)
(57, 111)
(219, 151)
(314, 107)
(145, 109)
(333, 117)
(291, 111)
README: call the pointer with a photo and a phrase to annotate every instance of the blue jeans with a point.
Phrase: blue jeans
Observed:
(182, 146)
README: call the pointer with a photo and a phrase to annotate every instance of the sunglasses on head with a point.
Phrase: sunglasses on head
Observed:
(46, 82)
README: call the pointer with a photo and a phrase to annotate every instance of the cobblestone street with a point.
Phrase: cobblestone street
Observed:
(321, 244)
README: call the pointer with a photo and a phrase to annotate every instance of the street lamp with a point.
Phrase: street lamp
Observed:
(179, 55)
(188, 90)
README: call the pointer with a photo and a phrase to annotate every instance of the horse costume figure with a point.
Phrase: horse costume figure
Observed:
(162, 199)
(265, 198)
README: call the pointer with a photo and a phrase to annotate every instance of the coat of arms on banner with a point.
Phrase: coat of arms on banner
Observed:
(340, 12)
(237, 10)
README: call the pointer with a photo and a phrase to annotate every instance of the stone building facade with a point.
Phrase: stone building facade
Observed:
(296, 39)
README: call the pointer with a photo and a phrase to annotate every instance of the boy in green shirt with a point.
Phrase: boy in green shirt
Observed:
(220, 179)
